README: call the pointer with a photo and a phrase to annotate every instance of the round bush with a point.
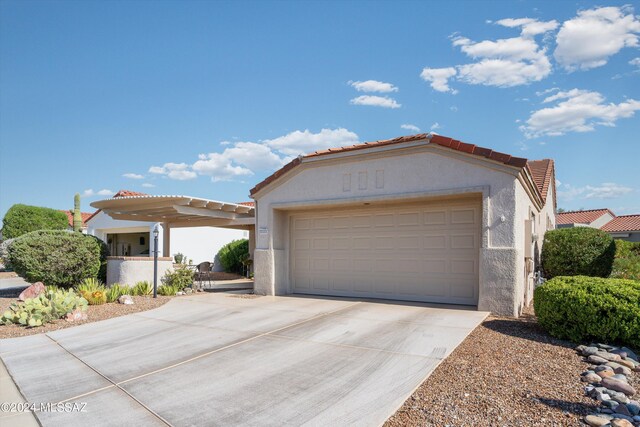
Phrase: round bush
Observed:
(232, 254)
(583, 309)
(59, 258)
(577, 251)
(22, 219)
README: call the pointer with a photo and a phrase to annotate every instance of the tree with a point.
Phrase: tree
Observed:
(21, 219)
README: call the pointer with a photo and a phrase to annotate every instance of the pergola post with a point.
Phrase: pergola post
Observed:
(252, 243)
(166, 239)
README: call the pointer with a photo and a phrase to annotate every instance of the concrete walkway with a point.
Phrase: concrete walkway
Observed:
(225, 359)
(13, 282)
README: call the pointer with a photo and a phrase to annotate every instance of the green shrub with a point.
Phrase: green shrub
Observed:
(583, 309)
(142, 289)
(46, 307)
(167, 290)
(104, 253)
(88, 286)
(114, 292)
(4, 253)
(23, 219)
(577, 251)
(179, 278)
(627, 262)
(233, 254)
(59, 258)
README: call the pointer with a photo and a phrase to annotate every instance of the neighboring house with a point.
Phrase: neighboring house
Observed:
(85, 216)
(625, 227)
(594, 218)
(420, 218)
(135, 238)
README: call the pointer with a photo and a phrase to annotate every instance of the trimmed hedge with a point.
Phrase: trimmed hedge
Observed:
(583, 309)
(59, 258)
(232, 254)
(23, 219)
(578, 251)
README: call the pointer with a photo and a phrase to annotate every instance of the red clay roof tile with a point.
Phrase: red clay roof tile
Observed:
(581, 217)
(623, 223)
(85, 217)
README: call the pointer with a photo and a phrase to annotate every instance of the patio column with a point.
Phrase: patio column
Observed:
(252, 243)
(166, 239)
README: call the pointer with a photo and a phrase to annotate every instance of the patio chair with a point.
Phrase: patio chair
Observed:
(203, 273)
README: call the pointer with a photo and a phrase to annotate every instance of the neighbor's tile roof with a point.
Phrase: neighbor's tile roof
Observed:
(246, 203)
(623, 223)
(128, 193)
(581, 217)
(85, 217)
(545, 176)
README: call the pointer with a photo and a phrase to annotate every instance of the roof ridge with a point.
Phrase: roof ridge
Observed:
(586, 210)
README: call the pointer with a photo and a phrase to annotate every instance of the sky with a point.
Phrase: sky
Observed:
(207, 98)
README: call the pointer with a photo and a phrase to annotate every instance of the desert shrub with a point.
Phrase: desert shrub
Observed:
(96, 297)
(233, 254)
(114, 292)
(4, 253)
(88, 286)
(577, 251)
(23, 219)
(179, 278)
(46, 307)
(626, 264)
(167, 290)
(104, 253)
(142, 289)
(582, 309)
(59, 258)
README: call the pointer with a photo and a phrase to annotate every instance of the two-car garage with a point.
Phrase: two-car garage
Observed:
(426, 251)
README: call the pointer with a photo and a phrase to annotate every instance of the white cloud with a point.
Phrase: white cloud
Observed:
(177, 171)
(435, 126)
(635, 62)
(412, 128)
(104, 192)
(303, 142)
(373, 86)
(530, 27)
(588, 40)
(376, 101)
(148, 185)
(606, 190)
(219, 167)
(453, 108)
(439, 78)
(576, 111)
(133, 176)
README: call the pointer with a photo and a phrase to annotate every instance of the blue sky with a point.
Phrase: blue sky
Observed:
(208, 98)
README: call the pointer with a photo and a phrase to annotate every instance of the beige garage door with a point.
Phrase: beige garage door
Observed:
(415, 252)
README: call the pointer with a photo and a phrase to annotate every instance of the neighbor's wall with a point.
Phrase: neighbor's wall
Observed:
(202, 243)
(396, 172)
(130, 270)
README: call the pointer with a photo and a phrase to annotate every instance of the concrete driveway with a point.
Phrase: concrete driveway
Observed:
(224, 359)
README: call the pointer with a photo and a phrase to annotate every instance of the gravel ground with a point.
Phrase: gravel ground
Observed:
(7, 274)
(508, 372)
(94, 313)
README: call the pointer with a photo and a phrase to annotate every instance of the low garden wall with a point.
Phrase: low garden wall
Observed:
(128, 270)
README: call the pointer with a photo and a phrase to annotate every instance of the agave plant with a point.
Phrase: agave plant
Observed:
(142, 288)
(88, 286)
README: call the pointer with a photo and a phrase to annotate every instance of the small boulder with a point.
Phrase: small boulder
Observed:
(622, 409)
(625, 362)
(633, 407)
(608, 356)
(596, 421)
(620, 377)
(588, 351)
(620, 422)
(591, 378)
(605, 373)
(76, 315)
(125, 299)
(630, 353)
(32, 291)
(596, 359)
(618, 385)
(618, 368)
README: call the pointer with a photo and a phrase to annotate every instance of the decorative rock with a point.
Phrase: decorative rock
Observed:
(179, 293)
(605, 373)
(608, 356)
(596, 421)
(618, 385)
(76, 315)
(602, 397)
(633, 407)
(621, 422)
(596, 359)
(622, 409)
(625, 362)
(619, 352)
(630, 354)
(32, 291)
(603, 368)
(580, 348)
(636, 418)
(125, 299)
(188, 291)
(611, 404)
(620, 377)
(591, 378)
(618, 368)
(605, 346)
(620, 398)
(588, 351)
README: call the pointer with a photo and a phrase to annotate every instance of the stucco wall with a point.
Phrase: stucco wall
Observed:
(419, 171)
(129, 270)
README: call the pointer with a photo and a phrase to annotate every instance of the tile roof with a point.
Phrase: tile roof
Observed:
(128, 193)
(246, 203)
(581, 217)
(544, 170)
(85, 217)
(623, 223)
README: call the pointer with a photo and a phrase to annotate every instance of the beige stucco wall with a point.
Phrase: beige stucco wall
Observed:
(413, 173)
(130, 270)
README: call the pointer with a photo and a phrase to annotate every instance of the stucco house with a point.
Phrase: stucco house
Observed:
(625, 227)
(415, 218)
(594, 218)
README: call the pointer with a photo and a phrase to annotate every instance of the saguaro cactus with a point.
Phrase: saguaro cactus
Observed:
(77, 216)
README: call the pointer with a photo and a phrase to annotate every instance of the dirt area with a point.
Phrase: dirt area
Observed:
(7, 274)
(508, 372)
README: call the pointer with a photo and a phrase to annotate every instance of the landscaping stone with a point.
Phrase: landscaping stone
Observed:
(620, 377)
(618, 368)
(621, 422)
(608, 356)
(76, 315)
(634, 407)
(626, 362)
(588, 351)
(596, 421)
(618, 385)
(591, 378)
(611, 404)
(596, 359)
(630, 353)
(32, 291)
(620, 398)
(605, 373)
(622, 409)
(125, 299)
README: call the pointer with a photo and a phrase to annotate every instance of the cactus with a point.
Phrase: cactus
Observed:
(142, 288)
(88, 286)
(44, 308)
(77, 215)
(96, 298)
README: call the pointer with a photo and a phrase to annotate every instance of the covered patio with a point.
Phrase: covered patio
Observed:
(170, 212)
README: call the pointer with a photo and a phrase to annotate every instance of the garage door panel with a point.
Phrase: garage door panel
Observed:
(413, 252)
